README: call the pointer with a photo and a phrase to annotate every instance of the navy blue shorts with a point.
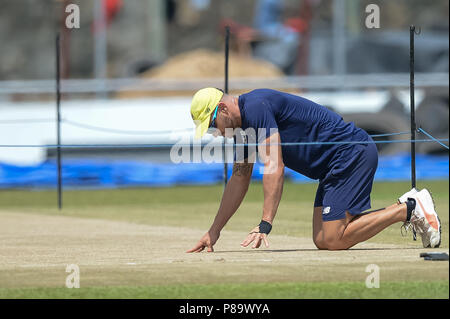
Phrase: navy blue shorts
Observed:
(348, 185)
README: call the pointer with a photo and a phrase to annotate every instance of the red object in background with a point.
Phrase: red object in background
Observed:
(296, 24)
(111, 8)
(239, 30)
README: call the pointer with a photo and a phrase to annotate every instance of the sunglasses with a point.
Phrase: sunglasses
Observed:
(213, 121)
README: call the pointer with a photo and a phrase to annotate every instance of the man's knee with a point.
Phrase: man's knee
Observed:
(319, 243)
(337, 245)
(330, 242)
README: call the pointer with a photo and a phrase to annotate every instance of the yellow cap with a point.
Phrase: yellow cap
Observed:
(203, 104)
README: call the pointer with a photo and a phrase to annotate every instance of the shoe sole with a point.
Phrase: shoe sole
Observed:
(439, 221)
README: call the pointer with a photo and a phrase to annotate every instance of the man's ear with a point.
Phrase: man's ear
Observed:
(223, 107)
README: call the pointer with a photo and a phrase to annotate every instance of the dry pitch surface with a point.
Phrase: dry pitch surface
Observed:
(35, 250)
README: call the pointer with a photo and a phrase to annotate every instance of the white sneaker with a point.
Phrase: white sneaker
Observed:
(402, 199)
(424, 219)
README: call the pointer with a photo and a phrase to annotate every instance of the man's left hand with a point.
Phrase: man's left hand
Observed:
(256, 237)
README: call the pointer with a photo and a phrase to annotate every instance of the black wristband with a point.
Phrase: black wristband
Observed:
(265, 227)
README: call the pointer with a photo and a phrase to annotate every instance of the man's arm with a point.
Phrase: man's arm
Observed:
(233, 195)
(232, 198)
(273, 180)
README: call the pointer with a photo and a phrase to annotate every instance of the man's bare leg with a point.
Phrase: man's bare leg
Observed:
(347, 232)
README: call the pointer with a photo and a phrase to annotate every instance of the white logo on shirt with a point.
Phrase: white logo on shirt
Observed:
(244, 137)
(326, 210)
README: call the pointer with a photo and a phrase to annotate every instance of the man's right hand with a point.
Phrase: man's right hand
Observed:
(207, 241)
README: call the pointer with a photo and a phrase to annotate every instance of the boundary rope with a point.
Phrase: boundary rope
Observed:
(130, 132)
(433, 138)
(119, 131)
(212, 145)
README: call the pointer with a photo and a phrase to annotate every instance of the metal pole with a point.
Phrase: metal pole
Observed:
(227, 49)
(412, 105)
(156, 30)
(339, 37)
(58, 117)
(100, 47)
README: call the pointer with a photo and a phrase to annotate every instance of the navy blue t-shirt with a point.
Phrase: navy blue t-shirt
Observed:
(297, 119)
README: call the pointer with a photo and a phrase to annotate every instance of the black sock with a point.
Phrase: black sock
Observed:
(410, 205)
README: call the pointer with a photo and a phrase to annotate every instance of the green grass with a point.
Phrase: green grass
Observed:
(196, 206)
(386, 191)
(332, 290)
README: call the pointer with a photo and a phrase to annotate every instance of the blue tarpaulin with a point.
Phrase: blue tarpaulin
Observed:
(112, 174)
